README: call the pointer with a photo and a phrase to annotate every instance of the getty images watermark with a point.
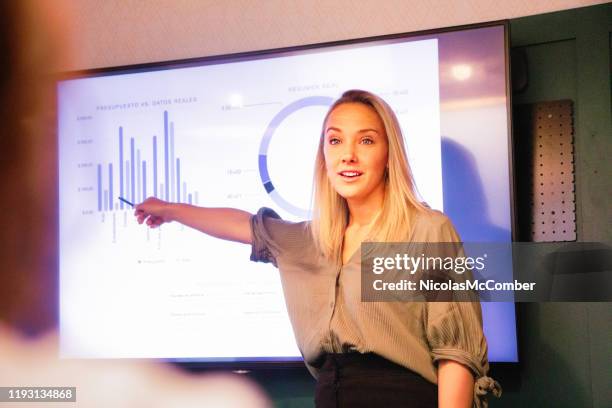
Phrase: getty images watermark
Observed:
(490, 272)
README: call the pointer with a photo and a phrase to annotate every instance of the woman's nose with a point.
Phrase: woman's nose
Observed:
(348, 155)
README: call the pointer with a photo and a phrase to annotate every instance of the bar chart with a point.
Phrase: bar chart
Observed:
(138, 177)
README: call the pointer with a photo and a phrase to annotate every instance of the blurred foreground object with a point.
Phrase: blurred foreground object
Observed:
(116, 383)
(34, 43)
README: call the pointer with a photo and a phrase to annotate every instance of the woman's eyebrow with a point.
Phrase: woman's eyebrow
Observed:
(359, 131)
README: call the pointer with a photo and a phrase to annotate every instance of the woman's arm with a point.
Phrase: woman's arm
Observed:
(225, 223)
(455, 385)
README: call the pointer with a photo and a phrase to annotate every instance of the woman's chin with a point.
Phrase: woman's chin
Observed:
(350, 195)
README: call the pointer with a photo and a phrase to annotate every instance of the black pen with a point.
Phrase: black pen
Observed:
(126, 201)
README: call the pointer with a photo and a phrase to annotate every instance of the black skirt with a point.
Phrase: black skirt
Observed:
(355, 380)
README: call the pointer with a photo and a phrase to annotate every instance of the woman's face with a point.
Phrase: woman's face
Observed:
(356, 151)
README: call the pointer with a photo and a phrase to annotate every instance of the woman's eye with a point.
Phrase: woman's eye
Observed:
(334, 140)
(367, 140)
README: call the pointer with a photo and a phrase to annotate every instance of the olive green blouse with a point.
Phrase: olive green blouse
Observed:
(325, 308)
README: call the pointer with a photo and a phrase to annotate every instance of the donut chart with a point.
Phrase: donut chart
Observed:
(265, 144)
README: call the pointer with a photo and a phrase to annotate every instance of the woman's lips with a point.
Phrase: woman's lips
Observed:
(350, 175)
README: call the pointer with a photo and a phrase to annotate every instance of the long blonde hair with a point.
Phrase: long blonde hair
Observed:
(330, 213)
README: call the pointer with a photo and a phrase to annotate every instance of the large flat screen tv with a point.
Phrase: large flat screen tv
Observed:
(241, 131)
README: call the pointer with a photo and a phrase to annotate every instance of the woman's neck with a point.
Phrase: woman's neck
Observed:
(364, 212)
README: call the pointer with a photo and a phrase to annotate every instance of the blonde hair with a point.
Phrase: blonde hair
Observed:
(330, 213)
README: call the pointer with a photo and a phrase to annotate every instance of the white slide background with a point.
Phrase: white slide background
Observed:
(126, 291)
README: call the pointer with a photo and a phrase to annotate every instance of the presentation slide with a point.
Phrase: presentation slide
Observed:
(239, 134)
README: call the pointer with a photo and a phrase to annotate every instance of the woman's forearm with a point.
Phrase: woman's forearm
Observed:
(225, 223)
(455, 385)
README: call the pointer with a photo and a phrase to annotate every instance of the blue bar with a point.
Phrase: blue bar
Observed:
(127, 176)
(132, 184)
(144, 179)
(138, 179)
(121, 165)
(189, 199)
(167, 164)
(155, 166)
(99, 187)
(110, 186)
(172, 190)
(105, 200)
(178, 180)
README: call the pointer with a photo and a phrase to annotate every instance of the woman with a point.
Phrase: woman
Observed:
(411, 354)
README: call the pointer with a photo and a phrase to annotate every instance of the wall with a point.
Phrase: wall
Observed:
(124, 32)
(565, 347)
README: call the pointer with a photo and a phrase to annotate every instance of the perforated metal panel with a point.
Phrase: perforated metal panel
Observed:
(545, 171)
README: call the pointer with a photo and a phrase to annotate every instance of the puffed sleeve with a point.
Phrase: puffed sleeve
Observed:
(265, 236)
(454, 332)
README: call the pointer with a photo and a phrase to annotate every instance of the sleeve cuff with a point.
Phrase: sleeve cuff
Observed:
(459, 356)
(482, 387)
(261, 239)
